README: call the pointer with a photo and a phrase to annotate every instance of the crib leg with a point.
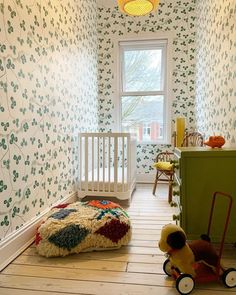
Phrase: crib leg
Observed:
(81, 196)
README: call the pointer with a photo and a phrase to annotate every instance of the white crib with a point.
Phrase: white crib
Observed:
(107, 165)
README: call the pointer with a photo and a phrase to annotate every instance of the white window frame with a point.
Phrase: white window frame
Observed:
(162, 40)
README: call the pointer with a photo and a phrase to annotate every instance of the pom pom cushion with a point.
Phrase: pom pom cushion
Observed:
(83, 226)
(163, 166)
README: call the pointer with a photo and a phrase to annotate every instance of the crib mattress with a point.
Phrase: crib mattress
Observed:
(98, 182)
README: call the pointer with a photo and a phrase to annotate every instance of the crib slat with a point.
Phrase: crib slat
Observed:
(103, 162)
(115, 162)
(128, 162)
(98, 163)
(86, 163)
(80, 163)
(92, 186)
(123, 163)
(109, 163)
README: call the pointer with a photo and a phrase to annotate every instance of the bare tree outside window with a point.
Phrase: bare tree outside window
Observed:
(142, 70)
(143, 95)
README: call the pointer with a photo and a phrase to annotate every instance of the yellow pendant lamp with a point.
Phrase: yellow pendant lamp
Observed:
(137, 7)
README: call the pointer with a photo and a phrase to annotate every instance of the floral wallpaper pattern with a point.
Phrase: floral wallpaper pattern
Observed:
(48, 93)
(216, 68)
(177, 17)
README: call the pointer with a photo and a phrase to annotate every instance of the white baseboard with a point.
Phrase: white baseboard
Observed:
(19, 240)
(145, 177)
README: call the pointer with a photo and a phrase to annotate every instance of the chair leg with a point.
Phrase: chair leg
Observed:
(170, 189)
(155, 184)
(170, 193)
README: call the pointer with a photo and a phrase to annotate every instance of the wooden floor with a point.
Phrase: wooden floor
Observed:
(135, 269)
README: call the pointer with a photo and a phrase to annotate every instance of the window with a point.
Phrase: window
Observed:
(143, 90)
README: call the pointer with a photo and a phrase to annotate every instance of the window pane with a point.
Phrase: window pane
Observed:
(143, 115)
(142, 70)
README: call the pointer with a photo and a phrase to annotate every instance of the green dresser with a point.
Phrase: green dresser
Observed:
(199, 173)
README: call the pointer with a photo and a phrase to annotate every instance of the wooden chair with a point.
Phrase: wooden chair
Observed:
(192, 139)
(164, 171)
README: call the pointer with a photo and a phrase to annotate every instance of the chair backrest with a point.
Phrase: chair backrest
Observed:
(192, 139)
(164, 157)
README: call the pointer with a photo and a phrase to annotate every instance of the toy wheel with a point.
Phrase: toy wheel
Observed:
(185, 284)
(229, 278)
(167, 267)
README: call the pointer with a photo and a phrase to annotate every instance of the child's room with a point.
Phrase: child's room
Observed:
(117, 147)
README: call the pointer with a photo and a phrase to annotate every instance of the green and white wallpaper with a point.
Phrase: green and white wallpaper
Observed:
(48, 93)
(174, 17)
(216, 68)
(48, 87)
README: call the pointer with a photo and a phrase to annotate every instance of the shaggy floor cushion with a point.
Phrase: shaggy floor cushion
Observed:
(83, 226)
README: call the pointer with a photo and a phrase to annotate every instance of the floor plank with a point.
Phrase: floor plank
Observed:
(78, 287)
(71, 263)
(7, 291)
(53, 272)
(133, 270)
(108, 256)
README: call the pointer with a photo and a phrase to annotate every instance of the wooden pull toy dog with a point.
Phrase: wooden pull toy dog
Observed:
(183, 255)
(192, 262)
